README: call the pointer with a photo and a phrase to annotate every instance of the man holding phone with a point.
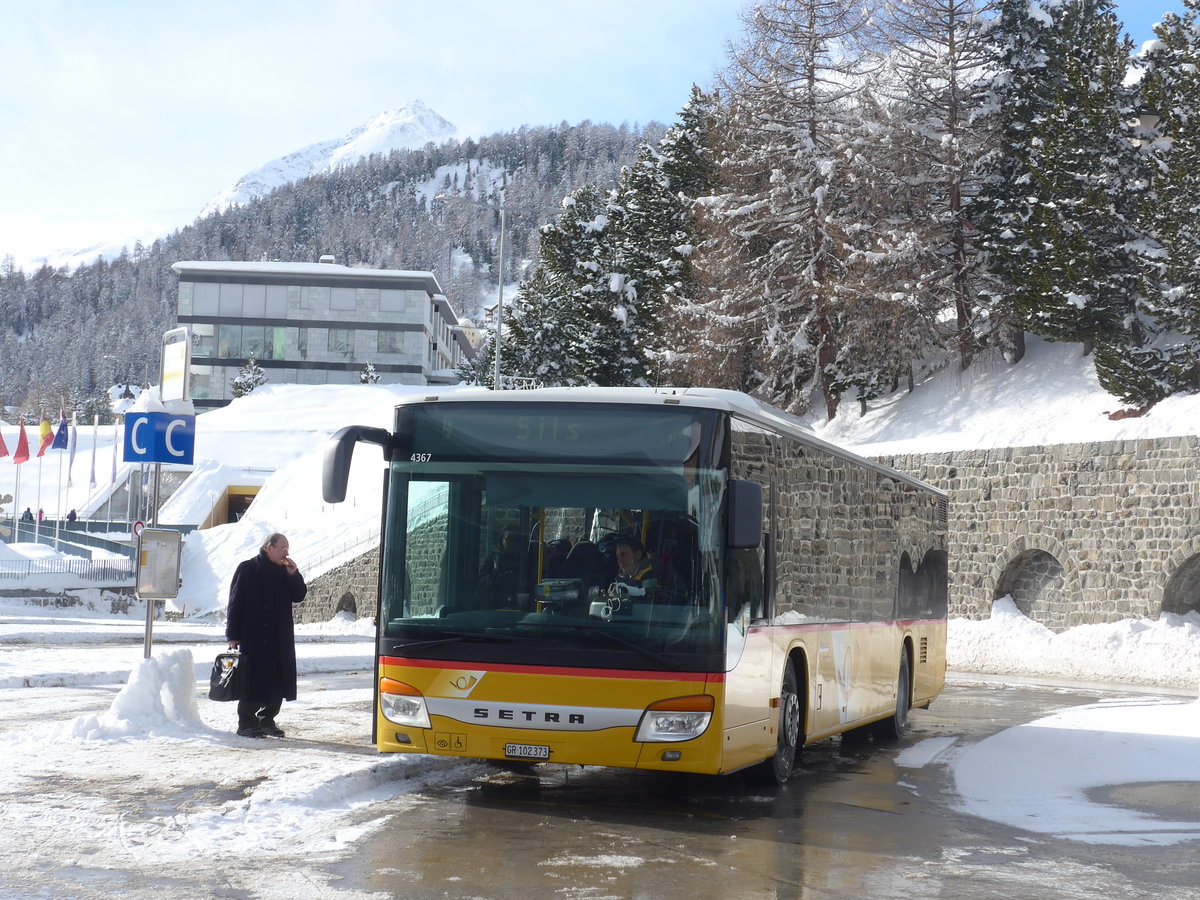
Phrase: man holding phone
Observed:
(258, 623)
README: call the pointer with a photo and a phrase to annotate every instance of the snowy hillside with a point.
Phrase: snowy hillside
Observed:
(1050, 397)
(409, 127)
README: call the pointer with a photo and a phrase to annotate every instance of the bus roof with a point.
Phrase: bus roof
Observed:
(734, 402)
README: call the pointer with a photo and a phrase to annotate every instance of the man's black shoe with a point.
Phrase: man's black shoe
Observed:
(268, 726)
(251, 731)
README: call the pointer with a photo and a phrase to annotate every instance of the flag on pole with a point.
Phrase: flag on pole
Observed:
(95, 428)
(62, 436)
(71, 443)
(22, 454)
(47, 437)
(3, 448)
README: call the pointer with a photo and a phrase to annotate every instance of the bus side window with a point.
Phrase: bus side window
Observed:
(744, 583)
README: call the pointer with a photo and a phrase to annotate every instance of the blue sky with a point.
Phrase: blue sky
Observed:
(125, 117)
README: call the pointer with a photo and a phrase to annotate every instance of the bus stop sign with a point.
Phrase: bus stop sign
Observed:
(158, 437)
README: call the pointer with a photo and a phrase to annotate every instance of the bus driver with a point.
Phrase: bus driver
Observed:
(633, 568)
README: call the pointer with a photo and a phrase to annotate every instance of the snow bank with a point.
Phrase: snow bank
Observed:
(158, 700)
(1159, 652)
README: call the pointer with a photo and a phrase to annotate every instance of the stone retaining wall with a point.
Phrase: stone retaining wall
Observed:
(1077, 533)
(351, 587)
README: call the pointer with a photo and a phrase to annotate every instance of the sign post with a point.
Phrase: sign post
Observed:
(160, 437)
(158, 555)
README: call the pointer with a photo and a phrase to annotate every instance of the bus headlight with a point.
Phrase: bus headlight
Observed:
(403, 704)
(679, 719)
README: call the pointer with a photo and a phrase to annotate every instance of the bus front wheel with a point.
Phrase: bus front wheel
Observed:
(896, 726)
(778, 769)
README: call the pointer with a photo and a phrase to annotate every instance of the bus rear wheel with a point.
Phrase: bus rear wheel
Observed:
(778, 769)
(896, 726)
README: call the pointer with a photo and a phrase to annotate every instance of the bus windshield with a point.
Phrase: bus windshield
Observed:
(553, 561)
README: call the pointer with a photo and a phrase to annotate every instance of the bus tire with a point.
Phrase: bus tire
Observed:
(790, 739)
(895, 726)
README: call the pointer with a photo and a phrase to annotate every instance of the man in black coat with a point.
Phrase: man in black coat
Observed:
(258, 622)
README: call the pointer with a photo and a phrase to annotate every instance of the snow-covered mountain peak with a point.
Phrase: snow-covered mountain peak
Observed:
(407, 127)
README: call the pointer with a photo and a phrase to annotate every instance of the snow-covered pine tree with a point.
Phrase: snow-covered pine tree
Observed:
(249, 376)
(560, 328)
(368, 375)
(590, 314)
(602, 333)
(1059, 198)
(1170, 92)
(539, 326)
(692, 333)
(652, 238)
(788, 94)
(684, 152)
(887, 308)
(926, 148)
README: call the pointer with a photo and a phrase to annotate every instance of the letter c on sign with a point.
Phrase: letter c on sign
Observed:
(133, 435)
(175, 423)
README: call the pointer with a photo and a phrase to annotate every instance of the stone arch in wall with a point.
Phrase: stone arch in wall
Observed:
(1038, 576)
(347, 603)
(1181, 593)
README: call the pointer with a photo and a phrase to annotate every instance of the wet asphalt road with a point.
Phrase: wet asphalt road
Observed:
(851, 824)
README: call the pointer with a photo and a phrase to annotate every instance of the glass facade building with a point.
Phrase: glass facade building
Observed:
(315, 323)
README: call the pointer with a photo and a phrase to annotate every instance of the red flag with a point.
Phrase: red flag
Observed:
(3, 448)
(47, 434)
(22, 453)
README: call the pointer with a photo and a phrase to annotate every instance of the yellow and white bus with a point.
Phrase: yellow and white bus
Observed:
(797, 591)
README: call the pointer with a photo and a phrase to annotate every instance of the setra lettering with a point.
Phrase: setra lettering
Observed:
(527, 715)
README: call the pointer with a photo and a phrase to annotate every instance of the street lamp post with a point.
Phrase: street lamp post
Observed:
(499, 306)
(503, 210)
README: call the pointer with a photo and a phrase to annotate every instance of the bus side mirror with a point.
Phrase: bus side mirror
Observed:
(745, 515)
(335, 471)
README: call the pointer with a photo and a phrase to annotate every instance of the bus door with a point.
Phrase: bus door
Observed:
(752, 663)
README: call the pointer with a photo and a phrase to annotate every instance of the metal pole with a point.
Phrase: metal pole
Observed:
(153, 517)
(499, 306)
(129, 498)
(148, 644)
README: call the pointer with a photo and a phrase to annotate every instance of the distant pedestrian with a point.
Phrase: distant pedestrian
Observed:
(258, 622)
(71, 517)
(27, 516)
(41, 515)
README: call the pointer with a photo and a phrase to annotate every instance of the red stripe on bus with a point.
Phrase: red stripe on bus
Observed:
(712, 677)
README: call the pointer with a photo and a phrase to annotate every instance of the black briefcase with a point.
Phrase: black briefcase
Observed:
(225, 682)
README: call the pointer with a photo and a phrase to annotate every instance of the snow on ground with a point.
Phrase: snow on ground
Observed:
(312, 793)
(112, 761)
(1060, 775)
